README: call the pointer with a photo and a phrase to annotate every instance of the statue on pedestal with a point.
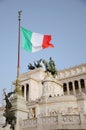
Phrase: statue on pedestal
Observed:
(8, 114)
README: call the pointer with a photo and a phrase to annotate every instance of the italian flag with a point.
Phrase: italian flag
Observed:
(33, 42)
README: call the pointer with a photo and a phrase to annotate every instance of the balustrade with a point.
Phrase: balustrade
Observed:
(54, 120)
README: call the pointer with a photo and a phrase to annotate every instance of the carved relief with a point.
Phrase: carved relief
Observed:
(70, 118)
(83, 69)
(48, 87)
(72, 72)
(67, 118)
(65, 111)
(53, 112)
(61, 75)
(67, 73)
(78, 70)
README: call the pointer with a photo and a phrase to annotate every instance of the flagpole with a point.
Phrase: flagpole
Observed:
(18, 63)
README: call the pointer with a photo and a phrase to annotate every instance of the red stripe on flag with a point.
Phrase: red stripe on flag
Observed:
(46, 42)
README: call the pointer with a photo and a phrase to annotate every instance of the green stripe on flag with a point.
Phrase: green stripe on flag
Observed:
(26, 39)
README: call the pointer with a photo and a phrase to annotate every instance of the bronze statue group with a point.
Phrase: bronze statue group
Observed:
(49, 66)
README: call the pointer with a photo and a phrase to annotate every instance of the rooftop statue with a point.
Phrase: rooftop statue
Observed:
(30, 66)
(50, 67)
(38, 63)
(47, 66)
(53, 67)
(51, 63)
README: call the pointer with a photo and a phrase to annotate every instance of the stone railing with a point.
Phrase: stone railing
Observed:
(30, 123)
(56, 122)
(70, 119)
(36, 122)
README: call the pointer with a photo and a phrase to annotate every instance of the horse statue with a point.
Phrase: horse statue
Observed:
(31, 67)
(38, 64)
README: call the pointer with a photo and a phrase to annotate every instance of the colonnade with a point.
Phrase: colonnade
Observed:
(74, 87)
(70, 88)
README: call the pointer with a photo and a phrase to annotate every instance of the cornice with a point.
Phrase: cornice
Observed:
(72, 72)
(73, 67)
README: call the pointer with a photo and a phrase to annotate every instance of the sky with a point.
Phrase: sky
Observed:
(65, 20)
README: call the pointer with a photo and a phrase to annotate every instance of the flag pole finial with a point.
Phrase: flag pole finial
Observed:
(19, 15)
(18, 65)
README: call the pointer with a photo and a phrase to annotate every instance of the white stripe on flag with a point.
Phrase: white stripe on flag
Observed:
(37, 39)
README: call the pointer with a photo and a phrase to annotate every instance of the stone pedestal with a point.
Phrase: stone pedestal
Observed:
(20, 109)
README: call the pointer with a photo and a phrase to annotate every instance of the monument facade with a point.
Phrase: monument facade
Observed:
(49, 102)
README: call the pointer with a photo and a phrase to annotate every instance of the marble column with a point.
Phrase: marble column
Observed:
(25, 92)
(28, 92)
(85, 84)
(29, 97)
(68, 92)
(79, 86)
(74, 91)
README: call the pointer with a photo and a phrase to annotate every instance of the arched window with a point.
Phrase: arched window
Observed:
(22, 90)
(70, 86)
(82, 83)
(64, 87)
(76, 84)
